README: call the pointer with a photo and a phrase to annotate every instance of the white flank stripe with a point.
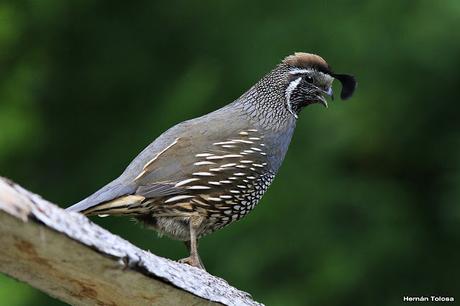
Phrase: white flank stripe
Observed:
(140, 175)
(214, 183)
(225, 197)
(203, 174)
(252, 130)
(254, 138)
(243, 141)
(232, 155)
(224, 156)
(244, 133)
(224, 143)
(256, 149)
(257, 165)
(198, 187)
(225, 182)
(246, 161)
(206, 162)
(216, 169)
(204, 155)
(179, 197)
(214, 157)
(162, 151)
(228, 165)
(200, 202)
(186, 182)
(239, 174)
(214, 199)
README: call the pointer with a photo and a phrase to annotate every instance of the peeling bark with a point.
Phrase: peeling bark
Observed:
(72, 259)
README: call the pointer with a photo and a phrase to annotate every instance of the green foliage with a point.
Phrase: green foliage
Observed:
(366, 205)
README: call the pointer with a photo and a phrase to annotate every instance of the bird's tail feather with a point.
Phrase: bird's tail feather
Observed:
(125, 205)
(114, 195)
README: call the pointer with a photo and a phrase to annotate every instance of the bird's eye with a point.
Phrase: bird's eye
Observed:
(309, 79)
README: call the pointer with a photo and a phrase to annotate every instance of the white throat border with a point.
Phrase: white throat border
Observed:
(292, 86)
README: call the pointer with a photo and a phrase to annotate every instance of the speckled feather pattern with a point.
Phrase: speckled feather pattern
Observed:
(214, 169)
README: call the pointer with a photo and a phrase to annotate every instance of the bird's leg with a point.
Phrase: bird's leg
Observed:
(192, 245)
(194, 258)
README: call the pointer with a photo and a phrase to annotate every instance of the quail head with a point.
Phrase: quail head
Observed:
(205, 173)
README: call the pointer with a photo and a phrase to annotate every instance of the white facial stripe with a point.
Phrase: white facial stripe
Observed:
(289, 90)
(298, 71)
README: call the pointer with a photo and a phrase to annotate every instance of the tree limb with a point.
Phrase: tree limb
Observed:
(72, 259)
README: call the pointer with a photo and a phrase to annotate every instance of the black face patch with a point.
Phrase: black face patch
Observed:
(303, 93)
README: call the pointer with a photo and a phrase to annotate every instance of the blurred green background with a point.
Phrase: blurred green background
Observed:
(366, 206)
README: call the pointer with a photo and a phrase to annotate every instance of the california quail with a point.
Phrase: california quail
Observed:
(205, 173)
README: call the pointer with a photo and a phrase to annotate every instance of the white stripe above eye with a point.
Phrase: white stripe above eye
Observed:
(292, 86)
(298, 71)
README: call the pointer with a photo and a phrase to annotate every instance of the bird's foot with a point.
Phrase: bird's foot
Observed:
(193, 261)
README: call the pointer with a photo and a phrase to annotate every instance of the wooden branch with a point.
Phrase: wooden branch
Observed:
(72, 259)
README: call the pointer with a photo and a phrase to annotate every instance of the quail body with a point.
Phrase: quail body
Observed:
(205, 173)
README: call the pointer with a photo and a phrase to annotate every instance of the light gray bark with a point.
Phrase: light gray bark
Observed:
(72, 259)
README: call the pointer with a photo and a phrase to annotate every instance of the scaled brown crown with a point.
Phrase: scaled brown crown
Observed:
(307, 60)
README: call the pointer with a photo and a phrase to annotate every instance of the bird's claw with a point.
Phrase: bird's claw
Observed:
(193, 261)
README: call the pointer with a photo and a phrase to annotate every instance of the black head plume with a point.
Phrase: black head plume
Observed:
(348, 84)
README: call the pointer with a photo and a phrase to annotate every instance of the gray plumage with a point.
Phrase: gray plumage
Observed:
(205, 173)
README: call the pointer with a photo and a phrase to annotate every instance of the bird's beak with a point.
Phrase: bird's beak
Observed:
(322, 99)
(330, 93)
